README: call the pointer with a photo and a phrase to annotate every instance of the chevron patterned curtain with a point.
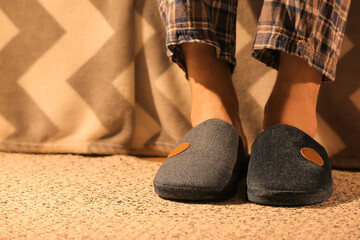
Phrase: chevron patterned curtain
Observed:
(92, 77)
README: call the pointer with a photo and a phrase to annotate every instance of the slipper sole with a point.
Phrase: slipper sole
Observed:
(288, 198)
(195, 194)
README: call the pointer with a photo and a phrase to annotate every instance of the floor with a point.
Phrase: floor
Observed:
(112, 197)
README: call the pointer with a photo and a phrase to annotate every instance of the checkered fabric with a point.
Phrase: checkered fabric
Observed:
(200, 21)
(311, 29)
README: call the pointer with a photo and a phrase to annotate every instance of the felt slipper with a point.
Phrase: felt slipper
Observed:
(205, 164)
(288, 167)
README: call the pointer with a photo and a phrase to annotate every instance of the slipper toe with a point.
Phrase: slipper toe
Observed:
(288, 167)
(204, 165)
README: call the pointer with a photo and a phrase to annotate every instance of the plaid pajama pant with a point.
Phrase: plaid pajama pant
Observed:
(310, 29)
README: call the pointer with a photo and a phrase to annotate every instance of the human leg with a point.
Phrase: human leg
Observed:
(294, 96)
(208, 161)
(213, 93)
(201, 40)
(302, 40)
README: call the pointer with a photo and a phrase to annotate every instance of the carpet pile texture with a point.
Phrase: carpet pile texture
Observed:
(112, 197)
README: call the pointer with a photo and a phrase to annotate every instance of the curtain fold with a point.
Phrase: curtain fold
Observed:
(92, 77)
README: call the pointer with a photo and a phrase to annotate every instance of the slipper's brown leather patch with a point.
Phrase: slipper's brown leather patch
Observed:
(179, 149)
(312, 156)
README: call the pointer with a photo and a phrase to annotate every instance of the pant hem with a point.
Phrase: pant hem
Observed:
(269, 53)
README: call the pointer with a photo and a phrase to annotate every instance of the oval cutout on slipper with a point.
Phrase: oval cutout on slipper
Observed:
(311, 155)
(179, 149)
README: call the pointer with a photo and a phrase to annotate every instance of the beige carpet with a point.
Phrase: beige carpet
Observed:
(79, 197)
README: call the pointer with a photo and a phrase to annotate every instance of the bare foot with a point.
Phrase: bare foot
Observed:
(294, 97)
(212, 90)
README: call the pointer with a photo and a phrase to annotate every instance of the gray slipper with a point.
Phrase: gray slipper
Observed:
(288, 167)
(206, 164)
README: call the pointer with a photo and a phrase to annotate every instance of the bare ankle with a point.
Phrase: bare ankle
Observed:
(294, 97)
(209, 106)
(303, 118)
(212, 90)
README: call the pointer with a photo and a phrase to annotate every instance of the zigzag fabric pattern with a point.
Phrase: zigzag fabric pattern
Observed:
(92, 77)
